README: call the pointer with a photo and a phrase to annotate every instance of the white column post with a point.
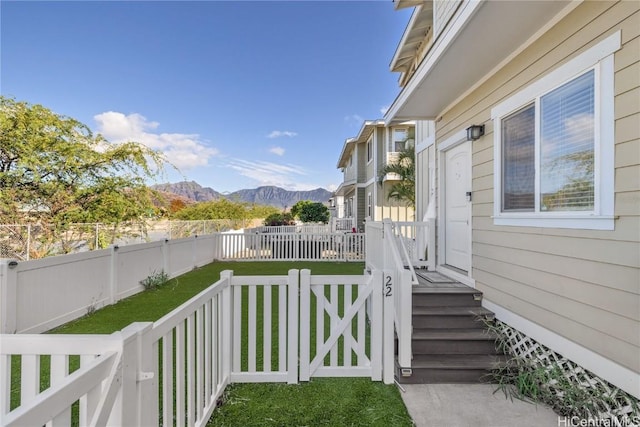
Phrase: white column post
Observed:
(389, 282)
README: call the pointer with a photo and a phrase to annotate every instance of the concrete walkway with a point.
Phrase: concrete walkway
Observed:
(473, 405)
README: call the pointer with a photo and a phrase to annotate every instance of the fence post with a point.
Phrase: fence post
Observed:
(389, 285)
(113, 275)
(165, 257)
(147, 376)
(126, 408)
(8, 296)
(292, 317)
(376, 325)
(305, 323)
(194, 248)
(227, 326)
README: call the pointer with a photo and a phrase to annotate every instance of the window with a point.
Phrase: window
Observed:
(369, 150)
(399, 139)
(553, 145)
(565, 146)
(369, 204)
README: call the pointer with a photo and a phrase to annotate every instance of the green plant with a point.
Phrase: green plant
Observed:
(405, 167)
(557, 384)
(155, 280)
(279, 219)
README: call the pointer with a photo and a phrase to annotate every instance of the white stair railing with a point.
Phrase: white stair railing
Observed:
(402, 293)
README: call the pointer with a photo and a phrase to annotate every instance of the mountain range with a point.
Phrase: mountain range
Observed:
(266, 195)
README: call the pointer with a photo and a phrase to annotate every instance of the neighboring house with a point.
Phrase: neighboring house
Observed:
(541, 211)
(363, 194)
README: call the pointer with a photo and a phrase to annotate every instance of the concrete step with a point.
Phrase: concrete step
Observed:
(434, 369)
(453, 341)
(471, 317)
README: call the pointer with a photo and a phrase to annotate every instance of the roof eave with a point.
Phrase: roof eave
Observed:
(444, 75)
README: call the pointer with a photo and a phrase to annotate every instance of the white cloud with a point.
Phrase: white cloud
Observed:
(286, 176)
(185, 151)
(332, 187)
(279, 133)
(354, 119)
(279, 151)
(384, 109)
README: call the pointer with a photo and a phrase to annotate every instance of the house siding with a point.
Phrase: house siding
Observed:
(361, 203)
(361, 158)
(443, 10)
(581, 284)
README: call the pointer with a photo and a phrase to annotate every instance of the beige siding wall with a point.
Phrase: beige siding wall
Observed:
(443, 10)
(361, 157)
(371, 167)
(581, 284)
(361, 207)
(390, 208)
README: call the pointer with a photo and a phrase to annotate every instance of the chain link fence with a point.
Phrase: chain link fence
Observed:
(31, 241)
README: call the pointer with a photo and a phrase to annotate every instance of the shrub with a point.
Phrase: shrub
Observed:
(279, 219)
(155, 280)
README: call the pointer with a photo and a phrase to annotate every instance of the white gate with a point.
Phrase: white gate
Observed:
(175, 369)
(338, 338)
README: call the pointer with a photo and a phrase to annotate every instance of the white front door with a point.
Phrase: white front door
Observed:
(457, 204)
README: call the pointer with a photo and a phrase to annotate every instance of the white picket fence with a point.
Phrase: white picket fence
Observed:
(343, 224)
(247, 246)
(297, 228)
(173, 371)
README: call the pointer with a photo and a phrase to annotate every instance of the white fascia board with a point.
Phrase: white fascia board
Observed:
(366, 129)
(404, 38)
(342, 159)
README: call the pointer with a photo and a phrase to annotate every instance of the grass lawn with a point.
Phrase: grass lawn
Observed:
(320, 402)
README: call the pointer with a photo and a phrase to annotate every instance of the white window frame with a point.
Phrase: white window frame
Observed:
(601, 59)
(392, 148)
(370, 149)
(369, 205)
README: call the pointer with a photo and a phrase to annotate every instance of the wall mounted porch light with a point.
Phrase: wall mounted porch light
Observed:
(474, 132)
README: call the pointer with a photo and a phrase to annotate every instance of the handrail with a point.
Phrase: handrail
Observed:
(407, 258)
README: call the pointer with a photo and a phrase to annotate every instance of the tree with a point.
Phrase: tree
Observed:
(224, 209)
(299, 206)
(276, 219)
(405, 168)
(55, 171)
(308, 211)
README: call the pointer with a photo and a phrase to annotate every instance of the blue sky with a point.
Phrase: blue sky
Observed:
(236, 94)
